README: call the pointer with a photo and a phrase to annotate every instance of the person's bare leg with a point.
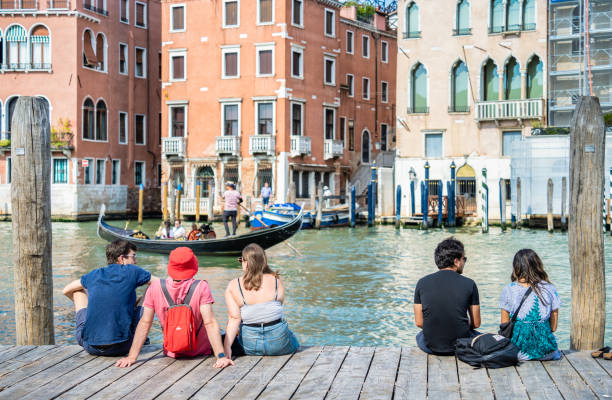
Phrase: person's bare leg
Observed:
(80, 300)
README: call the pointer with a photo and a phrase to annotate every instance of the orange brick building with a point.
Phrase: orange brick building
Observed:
(276, 91)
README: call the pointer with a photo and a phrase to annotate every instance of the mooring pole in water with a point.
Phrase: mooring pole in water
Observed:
(440, 204)
(513, 213)
(140, 204)
(211, 203)
(485, 202)
(398, 206)
(352, 214)
(427, 193)
(502, 203)
(197, 204)
(563, 200)
(518, 203)
(586, 247)
(31, 222)
(609, 203)
(449, 204)
(370, 204)
(165, 201)
(451, 194)
(178, 201)
(374, 180)
(423, 206)
(412, 205)
(549, 206)
(319, 214)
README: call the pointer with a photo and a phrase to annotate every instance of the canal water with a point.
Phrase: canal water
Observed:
(350, 287)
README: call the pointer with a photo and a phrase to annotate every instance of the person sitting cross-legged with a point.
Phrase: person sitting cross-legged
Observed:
(162, 299)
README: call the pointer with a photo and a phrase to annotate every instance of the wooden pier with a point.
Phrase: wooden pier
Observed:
(67, 372)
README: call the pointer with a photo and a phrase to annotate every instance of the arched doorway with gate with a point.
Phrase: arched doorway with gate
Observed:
(365, 146)
(466, 187)
(205, 178)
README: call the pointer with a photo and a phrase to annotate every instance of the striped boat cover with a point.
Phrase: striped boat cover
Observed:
(16, 34)
(39, 39)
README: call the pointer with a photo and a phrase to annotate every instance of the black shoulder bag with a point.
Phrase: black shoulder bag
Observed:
(507, 328)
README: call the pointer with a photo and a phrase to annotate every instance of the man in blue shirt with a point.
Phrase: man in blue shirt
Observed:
(266, 191)
(105, 302)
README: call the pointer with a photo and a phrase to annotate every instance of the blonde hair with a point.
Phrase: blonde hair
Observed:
(257, 266)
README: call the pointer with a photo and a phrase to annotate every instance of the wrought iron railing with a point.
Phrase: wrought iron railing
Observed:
(39, 66)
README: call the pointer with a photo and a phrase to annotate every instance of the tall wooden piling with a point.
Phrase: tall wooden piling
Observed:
(440, 205)
(197, 204)
(563, 201)
(353, 206)
(291, 194)
(140, 204)
(171, 202)
(549, 206)
(587, 147)
(210, 213)
(424, 207)
(502, 203)
(412, 205)
(31, 222)
(398, 206)
(165, 201)
(485, 202)
(370, 204)
(177, 212)
(319, 214)
(518, 203)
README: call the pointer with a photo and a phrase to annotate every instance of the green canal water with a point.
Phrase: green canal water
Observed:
(350, 287)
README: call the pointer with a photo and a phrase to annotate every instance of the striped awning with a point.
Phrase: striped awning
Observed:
(39, 39)
(16, 34)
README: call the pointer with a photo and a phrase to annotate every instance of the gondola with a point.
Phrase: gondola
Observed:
(222, 246)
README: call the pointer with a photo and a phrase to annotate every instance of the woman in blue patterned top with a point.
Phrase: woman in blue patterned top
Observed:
(537, 319)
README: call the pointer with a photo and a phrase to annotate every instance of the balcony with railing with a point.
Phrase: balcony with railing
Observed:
(509, 109)
(332, 149)
(300, 146)
(90, 6)
(262, 144)
(18, 5)
(173, 146)
(188, 206)
(227, 145)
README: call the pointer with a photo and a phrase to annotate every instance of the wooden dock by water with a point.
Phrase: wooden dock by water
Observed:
(330, 372)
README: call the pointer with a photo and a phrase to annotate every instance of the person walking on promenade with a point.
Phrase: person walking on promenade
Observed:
(179, 288)
(255, 309)
(444, 300)
(230, 209)
(538, 316)
(266, 192)
(105, 300)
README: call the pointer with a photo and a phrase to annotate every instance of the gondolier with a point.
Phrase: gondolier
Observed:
(232, 198)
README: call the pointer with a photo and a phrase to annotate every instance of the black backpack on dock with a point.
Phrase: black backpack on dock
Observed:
(487, 350)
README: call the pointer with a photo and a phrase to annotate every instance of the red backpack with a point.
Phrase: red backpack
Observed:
(179, 328)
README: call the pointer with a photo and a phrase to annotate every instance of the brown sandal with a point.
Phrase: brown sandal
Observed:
(607, 356)
(602, 352)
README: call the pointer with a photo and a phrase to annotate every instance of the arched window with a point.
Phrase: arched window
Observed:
(1, 55)
(512, 80)
(497, 16)
(412, 21)
(88, 119)
(365, 147)
(89, 55)
(513, 15)
(101, 120)
(463, 18)
(418, 89)
(535, 80)
(490, 83)
(459, 88)
(101, 52)
(529, 21)
(16, 47)
(40, 48)
(10, 110)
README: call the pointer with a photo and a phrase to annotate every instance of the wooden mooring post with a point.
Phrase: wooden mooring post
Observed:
(31, 222)
(563, 201)
(165, 202)
(140, 204)
(587, 147)
(549, 206)
(424, 207)
(171, 202)
(197, 204)
(440, 205)
(291, 193)
(485, 202)
(353, 206)
(319, 213)
(502, 203)
(398, 206)
(371, 207)
(177, 212)
(518, 203)
(210, 213)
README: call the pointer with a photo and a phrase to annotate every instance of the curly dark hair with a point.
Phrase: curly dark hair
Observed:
(118, 248)
(447, 251)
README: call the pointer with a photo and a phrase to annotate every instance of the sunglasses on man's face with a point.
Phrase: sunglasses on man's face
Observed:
(240, 260)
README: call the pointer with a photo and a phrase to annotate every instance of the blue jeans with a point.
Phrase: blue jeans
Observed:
(420, 339)
(274, 340)
(111, 350)
(265, 200)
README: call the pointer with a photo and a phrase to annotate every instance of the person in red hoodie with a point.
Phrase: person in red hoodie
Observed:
(182, 267)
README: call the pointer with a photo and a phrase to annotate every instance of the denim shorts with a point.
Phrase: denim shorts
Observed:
(274, 340)
(111, 350)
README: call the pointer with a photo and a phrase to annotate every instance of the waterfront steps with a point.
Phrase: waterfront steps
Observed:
(312, 373)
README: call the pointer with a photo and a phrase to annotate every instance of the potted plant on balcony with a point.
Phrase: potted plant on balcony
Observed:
(61, 135)
(364, 11)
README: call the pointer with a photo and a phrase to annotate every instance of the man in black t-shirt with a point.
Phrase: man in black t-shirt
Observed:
(443, 300)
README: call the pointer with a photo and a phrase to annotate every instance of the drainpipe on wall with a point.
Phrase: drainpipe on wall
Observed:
(149, 119)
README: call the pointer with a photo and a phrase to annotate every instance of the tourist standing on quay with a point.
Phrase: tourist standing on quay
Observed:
(266, 192)
(105, 300)
(443, 300)
(230, 209)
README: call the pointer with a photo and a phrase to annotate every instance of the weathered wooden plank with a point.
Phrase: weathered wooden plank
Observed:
(411, 380)
(25, 357)
(163, 380)
(568, 381)
(192, 382)
(537, 382)
(14, 351)
(596, 377)
(352, 374)
(507, 383)
(109, 375)
(56, 356)
(442, 380)
(224, 381)
(134, 378)
(474, 382)
(286, 382)
(380, 381)
(32, 383)
(257, 379)
(317, 381)
(605, 364)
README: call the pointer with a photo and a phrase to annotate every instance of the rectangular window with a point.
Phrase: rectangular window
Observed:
(349, 42)
(384, 51)
(9, 172)
(341, 129)
(178, 67)
(508, 139)
(350, 82)
(230, 13)
(296, 119)
(384, 91)
(365, 82)
(123, 127)
(60, 170)
(116, 172)
(141, 15)
(139, 173)
(100, 172)
(141, 62)
(123, 58)
(433, 145)
(230, 119)
(351, 134)
(330, 121)
(297, 14)
(125, 11)
(383, 137)
(330, 23)
(88, 171)
(177, 121)
(330, 71)
(264, 11)
(297, 65)
(365, 46)
(231, 63)
(265, 61)
(265, 118)
(177, 19)
(140, 129)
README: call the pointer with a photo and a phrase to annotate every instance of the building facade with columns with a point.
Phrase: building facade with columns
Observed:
(283, 92)
(471, 81)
